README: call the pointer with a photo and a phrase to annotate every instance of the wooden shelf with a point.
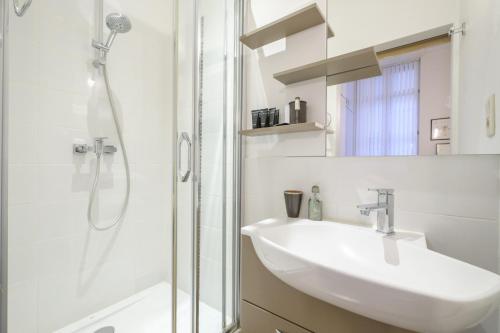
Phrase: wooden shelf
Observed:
(300, 20)
(344, 68)
(354, 75)
(293, 128)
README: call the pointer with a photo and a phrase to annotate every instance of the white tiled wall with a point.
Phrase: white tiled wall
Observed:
(454, 200)
(477, 60)
(59, 269)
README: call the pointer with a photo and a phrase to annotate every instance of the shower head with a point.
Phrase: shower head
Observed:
(118, 24)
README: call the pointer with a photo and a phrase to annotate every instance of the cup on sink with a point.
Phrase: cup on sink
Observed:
(293, 201)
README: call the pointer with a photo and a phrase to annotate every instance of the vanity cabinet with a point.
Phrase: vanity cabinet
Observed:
(255, 319)
(267, 303)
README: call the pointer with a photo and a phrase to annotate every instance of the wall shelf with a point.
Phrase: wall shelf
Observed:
(300, 20)
(344, 68)
(354, 75)
(292, 128)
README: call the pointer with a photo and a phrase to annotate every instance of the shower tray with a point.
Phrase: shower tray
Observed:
(148, 311)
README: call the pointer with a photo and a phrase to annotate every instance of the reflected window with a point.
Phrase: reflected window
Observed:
(404, 111)
(381, 113)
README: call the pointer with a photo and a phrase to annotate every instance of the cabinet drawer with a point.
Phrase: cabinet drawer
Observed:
(256, 320)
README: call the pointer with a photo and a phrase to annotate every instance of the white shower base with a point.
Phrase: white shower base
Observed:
(148, 311)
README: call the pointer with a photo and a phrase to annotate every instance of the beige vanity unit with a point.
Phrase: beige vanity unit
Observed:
(268, 305)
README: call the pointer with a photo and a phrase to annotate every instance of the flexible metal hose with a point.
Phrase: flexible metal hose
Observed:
(95, 183)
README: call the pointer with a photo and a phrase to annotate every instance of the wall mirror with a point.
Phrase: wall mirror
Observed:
(417, 77)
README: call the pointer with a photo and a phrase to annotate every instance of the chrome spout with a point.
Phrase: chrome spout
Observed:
(384, 208)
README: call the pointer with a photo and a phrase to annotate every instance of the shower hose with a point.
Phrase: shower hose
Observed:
(95, 184)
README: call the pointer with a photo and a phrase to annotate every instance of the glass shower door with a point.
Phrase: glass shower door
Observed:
(183, 215)
(207, 209)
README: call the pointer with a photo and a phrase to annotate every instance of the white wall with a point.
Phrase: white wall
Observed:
(263, 91)
(479, 52)
(59, 269)
(435, 93)
(365, 23)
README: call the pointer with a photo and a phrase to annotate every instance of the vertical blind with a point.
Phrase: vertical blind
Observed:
(387, 112)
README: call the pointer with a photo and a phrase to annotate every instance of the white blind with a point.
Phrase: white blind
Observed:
(386, 112)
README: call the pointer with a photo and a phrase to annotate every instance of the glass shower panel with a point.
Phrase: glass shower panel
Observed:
(184, 214)
(3, 221)
(216, 112)
(210, 192)
(63, 274)
(206, 243)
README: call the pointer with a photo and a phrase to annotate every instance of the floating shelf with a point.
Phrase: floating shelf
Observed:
(354, 75)
(344, 68)
(292, 128)
(300, 20)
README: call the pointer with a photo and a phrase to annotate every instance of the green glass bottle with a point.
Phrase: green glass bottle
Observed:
(315, 205)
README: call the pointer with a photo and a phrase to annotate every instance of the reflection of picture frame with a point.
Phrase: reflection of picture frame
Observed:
(443, 149)
(440, 129)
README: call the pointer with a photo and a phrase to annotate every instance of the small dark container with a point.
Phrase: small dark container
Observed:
(274, 117)
(302, 113)
(256, 119)
(264, 118)
(293, 201)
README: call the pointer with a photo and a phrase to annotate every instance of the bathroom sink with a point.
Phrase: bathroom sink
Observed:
(393, 279)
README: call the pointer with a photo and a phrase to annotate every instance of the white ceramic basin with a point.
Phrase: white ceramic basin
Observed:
(393, 279)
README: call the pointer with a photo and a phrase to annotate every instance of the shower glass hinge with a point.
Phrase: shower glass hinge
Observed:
(460, 30)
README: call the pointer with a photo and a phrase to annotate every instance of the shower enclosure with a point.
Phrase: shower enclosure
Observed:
(170, 102)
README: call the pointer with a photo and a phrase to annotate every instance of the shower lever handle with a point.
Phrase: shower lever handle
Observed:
(109, 149)
(184, 137)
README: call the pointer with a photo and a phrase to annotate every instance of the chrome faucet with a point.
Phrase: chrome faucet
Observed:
(99, 147)
(384, 208)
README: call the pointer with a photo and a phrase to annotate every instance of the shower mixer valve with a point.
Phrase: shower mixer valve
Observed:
(99, 147)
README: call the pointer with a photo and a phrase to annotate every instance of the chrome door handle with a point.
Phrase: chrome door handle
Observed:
(20, 9)
(184, 138)
(278, 331)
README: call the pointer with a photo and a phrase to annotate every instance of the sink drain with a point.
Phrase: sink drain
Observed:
(108, 329)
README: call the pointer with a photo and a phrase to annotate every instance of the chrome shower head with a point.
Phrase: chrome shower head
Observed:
(118, 24)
